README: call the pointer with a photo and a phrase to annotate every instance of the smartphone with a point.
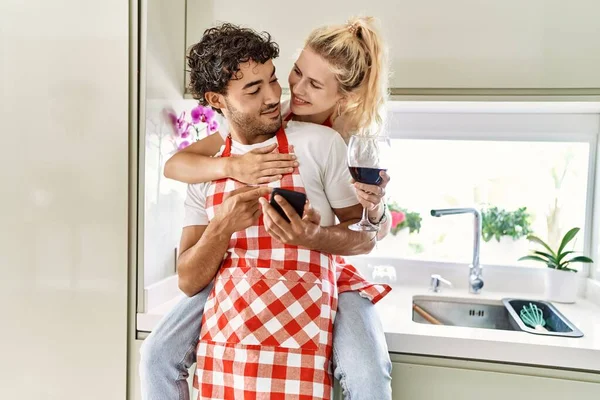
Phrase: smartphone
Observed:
(296, 200)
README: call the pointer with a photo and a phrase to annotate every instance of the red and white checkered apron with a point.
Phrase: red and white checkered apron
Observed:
(267, 328)
(347, 276)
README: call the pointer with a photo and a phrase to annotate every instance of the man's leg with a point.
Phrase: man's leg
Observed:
(360, 356)
(169, 351)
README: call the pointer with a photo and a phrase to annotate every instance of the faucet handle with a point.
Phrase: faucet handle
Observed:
(435, 282)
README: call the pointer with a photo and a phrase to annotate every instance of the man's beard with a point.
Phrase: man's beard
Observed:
(251, 127)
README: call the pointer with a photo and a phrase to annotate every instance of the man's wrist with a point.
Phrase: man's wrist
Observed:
(313, 241)
(219, 227)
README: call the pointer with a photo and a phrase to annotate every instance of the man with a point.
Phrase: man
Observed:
(232, 70)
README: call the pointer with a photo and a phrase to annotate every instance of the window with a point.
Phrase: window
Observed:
(163, 198)
(540, 160)
(549, 179)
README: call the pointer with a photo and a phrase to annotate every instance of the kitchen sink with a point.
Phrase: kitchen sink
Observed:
(487, 314)
(490, 314)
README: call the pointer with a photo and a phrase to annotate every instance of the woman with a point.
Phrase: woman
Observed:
(338, 81)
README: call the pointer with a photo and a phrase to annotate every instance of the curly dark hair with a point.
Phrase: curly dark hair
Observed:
(216, 59)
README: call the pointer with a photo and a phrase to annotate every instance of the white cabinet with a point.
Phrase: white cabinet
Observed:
(426, 378)
(64, 72)
(535, 46)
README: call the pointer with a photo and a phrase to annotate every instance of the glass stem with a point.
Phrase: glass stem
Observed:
(365, 217)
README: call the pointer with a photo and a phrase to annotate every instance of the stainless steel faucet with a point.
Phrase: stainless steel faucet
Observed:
(475, 269)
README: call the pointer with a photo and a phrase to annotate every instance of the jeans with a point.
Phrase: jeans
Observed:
(358, 346)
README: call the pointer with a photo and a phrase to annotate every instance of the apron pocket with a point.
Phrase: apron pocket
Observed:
(252, 308)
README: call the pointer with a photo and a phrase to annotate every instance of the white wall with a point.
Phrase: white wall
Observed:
(64, 173)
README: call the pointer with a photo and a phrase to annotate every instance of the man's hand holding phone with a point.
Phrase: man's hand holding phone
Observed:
(300, 230)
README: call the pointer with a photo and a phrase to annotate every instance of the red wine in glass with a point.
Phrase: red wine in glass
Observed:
(370, 176)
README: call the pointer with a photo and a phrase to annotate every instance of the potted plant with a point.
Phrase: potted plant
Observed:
(561, 280)
(404, 222)
(504, 234)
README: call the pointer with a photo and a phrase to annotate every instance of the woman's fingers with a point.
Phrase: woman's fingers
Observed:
(276, 171)
(278, 157)
(268, 166)
(268, 179)
(279, 165)
(268, 171)
(265, 150)
(369, 200)
(385, 178)
(370, 189)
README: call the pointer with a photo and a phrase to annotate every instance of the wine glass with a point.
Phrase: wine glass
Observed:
(367, 157)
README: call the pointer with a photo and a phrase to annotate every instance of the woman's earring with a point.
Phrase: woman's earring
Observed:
(339, 109)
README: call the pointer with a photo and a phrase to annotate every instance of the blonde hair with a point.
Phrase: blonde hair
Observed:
(358, 59)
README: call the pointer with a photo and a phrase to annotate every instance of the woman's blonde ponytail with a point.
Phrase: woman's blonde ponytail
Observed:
(358, 58)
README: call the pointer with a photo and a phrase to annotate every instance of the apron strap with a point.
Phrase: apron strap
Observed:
(282, 141)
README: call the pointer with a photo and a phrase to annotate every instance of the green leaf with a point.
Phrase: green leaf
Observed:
(564, 254)
(535, 239)
(581, 259)
(533, 258)
(568, 237)
(550, 257)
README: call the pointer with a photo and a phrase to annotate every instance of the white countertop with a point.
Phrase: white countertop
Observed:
(405, 336)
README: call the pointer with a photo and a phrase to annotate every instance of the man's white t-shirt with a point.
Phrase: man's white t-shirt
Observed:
(321, 153)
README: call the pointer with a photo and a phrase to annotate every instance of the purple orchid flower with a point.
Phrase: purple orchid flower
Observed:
(182, 127)
(213, 126)
(196, 114)
(202, 114)
(209, 113)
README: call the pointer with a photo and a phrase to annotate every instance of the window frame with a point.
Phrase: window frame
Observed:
(511, 121)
